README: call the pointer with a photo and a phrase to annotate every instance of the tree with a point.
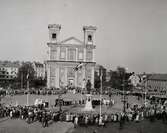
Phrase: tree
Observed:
(39, 82)
(97, 82)
(25, 73)
(119, 79)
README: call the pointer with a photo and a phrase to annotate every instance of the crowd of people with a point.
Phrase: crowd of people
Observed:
(28, 113)
(136, 114)
(38, 113)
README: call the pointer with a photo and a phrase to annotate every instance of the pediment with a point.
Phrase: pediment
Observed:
(72, 41)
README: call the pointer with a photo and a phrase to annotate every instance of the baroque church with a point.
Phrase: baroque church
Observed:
(66, 55)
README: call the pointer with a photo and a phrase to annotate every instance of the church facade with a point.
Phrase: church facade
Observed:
(65, 57)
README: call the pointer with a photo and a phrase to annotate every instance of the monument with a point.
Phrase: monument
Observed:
(88, 105)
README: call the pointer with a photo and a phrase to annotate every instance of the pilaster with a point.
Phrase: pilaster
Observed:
(57, 80)
(83, 77)
(85, 54)
(48, 76)
(66, 55)
(58, 53)
(66, 80)
(92, 77)
(76, 76)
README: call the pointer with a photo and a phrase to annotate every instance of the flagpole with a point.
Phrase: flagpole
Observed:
(101, 94)
(28, 89)
(28, 93)
(21, 80)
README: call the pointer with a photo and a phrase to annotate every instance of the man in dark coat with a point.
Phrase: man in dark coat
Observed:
(88, 86)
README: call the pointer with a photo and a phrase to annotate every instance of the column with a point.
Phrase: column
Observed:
(58, 53)
(57, 77)
(76, 54)
(66, 80)
(92, 77)
(48, 76)
(66, 54)
(83, 77)
(49, 53)
(76, 76)
(93, 52)
(84, 54)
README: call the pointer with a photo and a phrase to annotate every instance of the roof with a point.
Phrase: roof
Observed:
(54, 26)
(38, 64)
(162, 77)
(71, 40)
(89, 27)
(9, 64)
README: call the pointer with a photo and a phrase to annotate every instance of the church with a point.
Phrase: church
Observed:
(71, 61)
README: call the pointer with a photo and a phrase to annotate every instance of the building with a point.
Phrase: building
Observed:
(66, 55)
(100, 69)
(39, 69)
(157, 83)
(108, 75)
(134, 79)
(8, 70)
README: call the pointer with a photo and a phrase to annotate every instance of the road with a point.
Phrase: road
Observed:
(131, 127)
(20, 126)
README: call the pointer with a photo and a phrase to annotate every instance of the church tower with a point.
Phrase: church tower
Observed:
(89, 34)
(54, 31)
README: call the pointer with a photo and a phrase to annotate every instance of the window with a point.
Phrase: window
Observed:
(72, 54)
(89, 38)
(62, 53)
(52, 81)
(70, 72)
(53, 54)
(54, 36)
(88, 73)
(52, 71)
(62, 76)
(89, 55)
(80, 54)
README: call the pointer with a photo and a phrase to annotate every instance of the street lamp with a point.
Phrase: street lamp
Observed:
(60, 99)
(145, 88)
(28, 89)
(124, 98)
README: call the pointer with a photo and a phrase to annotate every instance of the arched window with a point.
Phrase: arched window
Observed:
(89, 38)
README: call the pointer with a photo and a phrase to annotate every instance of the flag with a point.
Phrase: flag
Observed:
(27, 75)
(79, 66)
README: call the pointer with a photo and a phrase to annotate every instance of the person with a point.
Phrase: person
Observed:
(46, 120)
(164, 116)
(137, 118)
(11, 114)
(94, 131)
(88, 86)
(101, 123)
(121, 124)
(86, 120)
(76, 121)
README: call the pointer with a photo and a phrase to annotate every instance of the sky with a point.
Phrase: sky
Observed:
(130, 33)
